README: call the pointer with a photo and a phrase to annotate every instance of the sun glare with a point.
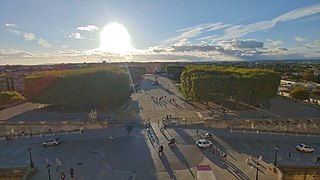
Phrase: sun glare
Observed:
(115, 38)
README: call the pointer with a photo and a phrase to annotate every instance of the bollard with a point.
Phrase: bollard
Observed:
(257, 131)
(66, 132)
(282, 133)
(270, 133)
(231, 130)
(296, 134)
(308, 135)
(260, 158)
(244, 131)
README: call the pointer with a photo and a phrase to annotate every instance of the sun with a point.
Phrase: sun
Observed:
(115, 38)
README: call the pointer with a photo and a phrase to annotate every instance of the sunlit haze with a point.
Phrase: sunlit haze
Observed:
(115, 38)
(39, 32)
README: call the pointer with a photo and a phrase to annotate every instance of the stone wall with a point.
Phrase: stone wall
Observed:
(32, 128)
(305, 126)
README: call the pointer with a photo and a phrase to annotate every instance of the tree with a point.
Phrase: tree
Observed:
(81, 88)
(300, 93)
(309, 76)
(174, 71)
(8, 97)
(218, 84)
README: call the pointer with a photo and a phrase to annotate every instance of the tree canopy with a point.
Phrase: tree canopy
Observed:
(174, 72)
(300, 93)
(8, 97)
(85, 87)
(218, 84)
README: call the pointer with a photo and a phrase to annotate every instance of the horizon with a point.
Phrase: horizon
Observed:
(121, 31)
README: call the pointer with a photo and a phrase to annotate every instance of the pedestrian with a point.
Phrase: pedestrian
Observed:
(289, 155)
(47, 162)
(197, 131)
(71, 173)
(160, 152)
(318, 160)
(63, 176)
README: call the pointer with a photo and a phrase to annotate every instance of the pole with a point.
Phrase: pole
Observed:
(30, 156)
(275, 155)
(257, 173)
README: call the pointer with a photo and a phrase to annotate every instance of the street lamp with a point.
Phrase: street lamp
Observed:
(257, 166)
(275, 155)
(31, 163)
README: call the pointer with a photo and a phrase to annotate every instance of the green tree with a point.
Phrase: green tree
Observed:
(8, 97)
(308, 75)
(218, 84)
(174, 72)
(81, 88)
(300, 93)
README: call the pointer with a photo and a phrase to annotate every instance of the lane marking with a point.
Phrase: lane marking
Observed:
(241, 142)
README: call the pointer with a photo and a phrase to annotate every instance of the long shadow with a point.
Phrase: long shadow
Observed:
(236, 172)
(181, 158)
(214, 158)
(167, 165)
(184, 135)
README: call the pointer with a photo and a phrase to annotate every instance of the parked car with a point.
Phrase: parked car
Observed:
(208, 136)
(304, 148)
(204, 143)
(51, 142)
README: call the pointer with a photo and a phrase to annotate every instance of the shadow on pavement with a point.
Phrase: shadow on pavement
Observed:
(184, 135)
(236, 172)
(166, 164)
(182, 159)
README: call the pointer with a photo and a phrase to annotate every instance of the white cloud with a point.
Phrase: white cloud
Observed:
(90, 28)
(44, 43)
(300, 39)
(11, 25)
(29, 36)
(313, 44)
(197, 30)
(241, 30)
(64, 46)
(76, 36)
(271, 42)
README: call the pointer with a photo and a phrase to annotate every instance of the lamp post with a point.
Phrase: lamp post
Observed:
(257, 166)
(275, 155)
(31, 163)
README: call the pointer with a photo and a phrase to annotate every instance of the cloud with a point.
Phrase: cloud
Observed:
(313, 44)
(90, 28)
(64, 46)
(195, 31)
(11, 25)
(29, 36)
(241, 30)
(44, 43)
(300, 39)
(76, 36)
(271, 42)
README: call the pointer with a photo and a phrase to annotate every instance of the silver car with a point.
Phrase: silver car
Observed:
(304, 148)
(204, 143)
(51, 142)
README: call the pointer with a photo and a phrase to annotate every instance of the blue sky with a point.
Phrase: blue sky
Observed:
(43, 31)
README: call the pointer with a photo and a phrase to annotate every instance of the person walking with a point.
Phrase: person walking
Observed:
(63, 176)
(318, 160)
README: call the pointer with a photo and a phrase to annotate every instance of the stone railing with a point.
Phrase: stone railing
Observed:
(22, 128)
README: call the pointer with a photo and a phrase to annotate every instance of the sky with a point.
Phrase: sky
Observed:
(69, 31)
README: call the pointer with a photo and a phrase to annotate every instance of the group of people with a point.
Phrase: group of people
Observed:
(159, 98)
(216, 150)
